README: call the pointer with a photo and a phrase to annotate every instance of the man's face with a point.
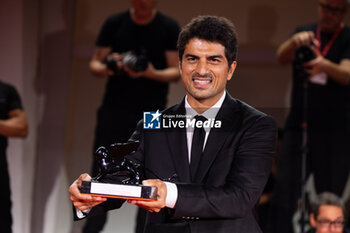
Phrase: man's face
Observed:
(144, 7)
(329, 220)
(331, 14)
(204, 69)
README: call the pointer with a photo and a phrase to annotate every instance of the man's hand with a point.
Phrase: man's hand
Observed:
(153, 206)
(285, 52)
(97, 63)
(316, 65)
(81, 201)
(304, 38)
(16, 125)
(148, 73)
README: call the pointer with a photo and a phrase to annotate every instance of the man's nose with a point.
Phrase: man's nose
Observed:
(202, 67)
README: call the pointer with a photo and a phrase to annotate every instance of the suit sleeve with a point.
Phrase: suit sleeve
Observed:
(249, 171)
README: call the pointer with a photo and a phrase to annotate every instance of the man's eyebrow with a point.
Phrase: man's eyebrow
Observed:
(216, 56)
(191, 55)
(209, 57)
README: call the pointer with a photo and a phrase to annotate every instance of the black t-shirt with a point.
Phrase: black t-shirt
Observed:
(9, 100)
(345, 230)
(121, 34)
(328, 105)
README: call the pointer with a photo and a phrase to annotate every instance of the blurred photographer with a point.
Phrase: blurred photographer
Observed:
(136, 50)
(320, 58)
(327, 214)
(13, 124)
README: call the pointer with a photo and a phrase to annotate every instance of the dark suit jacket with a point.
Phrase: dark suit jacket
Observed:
(234, 168)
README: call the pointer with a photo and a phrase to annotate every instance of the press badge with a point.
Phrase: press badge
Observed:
(320, 78)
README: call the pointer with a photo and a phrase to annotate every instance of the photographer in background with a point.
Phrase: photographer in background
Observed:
(327, 112)
(13, 123)
(141, 34)
(327, 214)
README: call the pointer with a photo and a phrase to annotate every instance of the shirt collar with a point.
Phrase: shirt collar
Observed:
(209, 113)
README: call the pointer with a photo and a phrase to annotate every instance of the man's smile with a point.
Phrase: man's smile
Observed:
(202, 81)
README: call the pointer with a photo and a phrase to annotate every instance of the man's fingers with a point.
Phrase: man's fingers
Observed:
(83, 201)
(85, 177)
(116, 56)
(74, 189)
(150, 206)
(162, 191)
(84, 206)
(132, 73)
(303, 38)
(153, 206)
(86, 201)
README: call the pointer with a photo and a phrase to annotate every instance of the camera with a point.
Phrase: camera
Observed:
(302, 55)
(135, 62)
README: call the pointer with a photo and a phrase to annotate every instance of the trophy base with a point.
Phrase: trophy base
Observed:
(138, 192)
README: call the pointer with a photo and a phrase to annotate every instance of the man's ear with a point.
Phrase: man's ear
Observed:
(180, 66)
(312, 220)
(231, 70)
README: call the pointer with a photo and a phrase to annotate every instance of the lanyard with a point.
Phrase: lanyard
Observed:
(330, 43)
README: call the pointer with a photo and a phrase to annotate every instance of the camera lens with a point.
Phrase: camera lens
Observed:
(135, 62)
(304, 54)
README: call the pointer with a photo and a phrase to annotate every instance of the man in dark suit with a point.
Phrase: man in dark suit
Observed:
(209, 175)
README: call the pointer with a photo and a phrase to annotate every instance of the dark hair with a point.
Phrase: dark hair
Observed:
(213, 29)
(326, 198)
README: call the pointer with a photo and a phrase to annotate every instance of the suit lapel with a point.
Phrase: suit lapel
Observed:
(217, 137)
(177, 141)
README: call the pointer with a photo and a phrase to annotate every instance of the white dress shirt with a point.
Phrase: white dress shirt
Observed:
(210, 113)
